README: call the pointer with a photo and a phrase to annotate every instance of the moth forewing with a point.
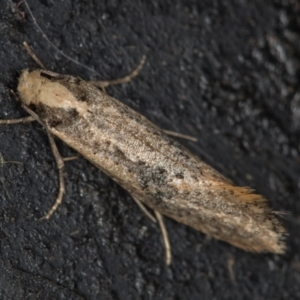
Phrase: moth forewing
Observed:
(153, 168)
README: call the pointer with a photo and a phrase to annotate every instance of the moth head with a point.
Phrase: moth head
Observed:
(46, 88)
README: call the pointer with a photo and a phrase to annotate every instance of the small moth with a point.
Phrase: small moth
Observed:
(156, 170)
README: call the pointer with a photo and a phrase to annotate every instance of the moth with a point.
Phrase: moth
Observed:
(157, 171)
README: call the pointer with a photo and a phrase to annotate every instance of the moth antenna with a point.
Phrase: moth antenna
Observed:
(55, 47)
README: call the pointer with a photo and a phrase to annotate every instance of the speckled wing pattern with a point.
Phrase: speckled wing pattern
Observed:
(157, 170)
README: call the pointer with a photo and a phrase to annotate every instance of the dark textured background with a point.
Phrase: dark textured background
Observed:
(226, 72)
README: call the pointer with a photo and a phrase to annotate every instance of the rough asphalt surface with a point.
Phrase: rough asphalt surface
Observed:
(226, 72)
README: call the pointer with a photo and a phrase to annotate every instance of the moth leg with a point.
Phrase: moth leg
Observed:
(164, 232)
(144, 209)
(103, 84)
(180, 135)
(162, 227)
(60, 166)
(16, 121)
(69, 158)
(59, 163)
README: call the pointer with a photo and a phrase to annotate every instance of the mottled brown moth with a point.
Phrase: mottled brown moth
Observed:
(156, 170)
